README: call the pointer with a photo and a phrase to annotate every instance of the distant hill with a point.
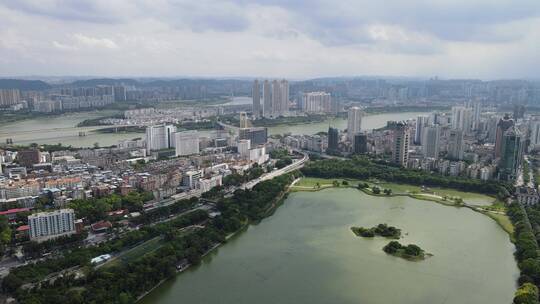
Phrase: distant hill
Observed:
(103, 81)
(24, 85)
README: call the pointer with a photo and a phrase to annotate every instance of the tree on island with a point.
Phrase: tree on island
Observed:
(388, 191)
(376, 190)
(413, 250)
(392, 247)
(335, 183)
(379, 230)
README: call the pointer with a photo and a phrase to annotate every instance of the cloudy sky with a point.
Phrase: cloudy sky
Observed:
(274, 38)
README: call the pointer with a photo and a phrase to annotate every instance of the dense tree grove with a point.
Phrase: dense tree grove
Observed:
(125, 282)
(409, 251)
(236, 179)
(156, 214)
(36, 250)
(5, 234)
(526, 255)
(96, 209)
(282, 156)
(365, 168)
(81, 256)
(379, 230)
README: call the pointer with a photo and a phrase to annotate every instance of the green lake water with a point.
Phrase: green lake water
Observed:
(306, 253)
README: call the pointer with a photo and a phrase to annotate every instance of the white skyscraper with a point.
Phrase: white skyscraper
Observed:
(187, 143)
(244, 120)
(276, 98)
(421, 123)
(155, 138)
(534, 135)
(169, 137)
(317, 102)
(477, 110)
(48, 225)
(267, 99)
(284, 98)
(256, 95)
(354, 122)
(160, 137)
(461, 118)
(455, 144)
(430, 141)
(400, 144)
(243, 147)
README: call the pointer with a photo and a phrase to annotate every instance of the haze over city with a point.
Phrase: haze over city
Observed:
(271, 38)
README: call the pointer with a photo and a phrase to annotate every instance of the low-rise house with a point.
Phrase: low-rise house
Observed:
(527, 196)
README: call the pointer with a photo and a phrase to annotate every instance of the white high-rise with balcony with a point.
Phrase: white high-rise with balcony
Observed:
(187, 143)
(49, 225)
(267, 99)
(256, 95)
(354, 122)
(160, 137)
(430, 142)
(317, 102)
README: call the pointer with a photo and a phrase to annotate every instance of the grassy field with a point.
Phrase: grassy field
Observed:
(310, 184)
(503, 221)
(135, 252)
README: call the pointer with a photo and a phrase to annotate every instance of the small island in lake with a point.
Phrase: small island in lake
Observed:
(409, 252)
(379, 230)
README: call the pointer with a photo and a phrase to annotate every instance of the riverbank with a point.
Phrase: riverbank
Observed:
(403, 109)
(490, 206)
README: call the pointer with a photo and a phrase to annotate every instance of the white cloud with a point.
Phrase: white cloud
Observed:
(63, 47)
(95, 42)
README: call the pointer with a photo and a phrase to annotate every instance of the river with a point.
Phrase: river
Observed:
(306, 253)
(61, 129)
(368, 122)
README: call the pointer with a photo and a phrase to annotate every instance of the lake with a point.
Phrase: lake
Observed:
(306, 253)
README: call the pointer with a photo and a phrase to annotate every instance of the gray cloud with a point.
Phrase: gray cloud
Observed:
(199, 15)
(458, 20)
(86, 11)
(331, 22)
(265, 37)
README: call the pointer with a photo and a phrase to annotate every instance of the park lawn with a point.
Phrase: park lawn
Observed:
(469, 197)
(309, 184)
(504, 221)
(312, 181)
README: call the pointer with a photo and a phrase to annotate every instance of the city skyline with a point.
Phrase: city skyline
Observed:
(234, 151)
(296, 40)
